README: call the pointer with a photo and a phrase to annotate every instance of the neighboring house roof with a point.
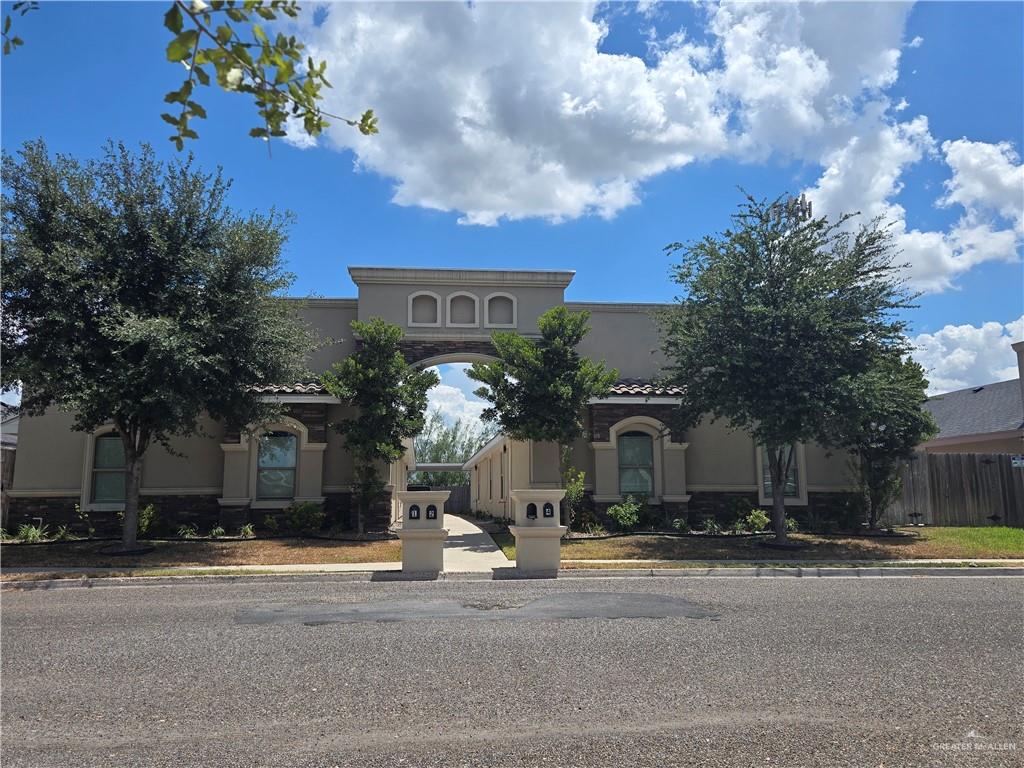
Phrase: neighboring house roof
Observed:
(642, 388)
(978, 410)
(297, 388)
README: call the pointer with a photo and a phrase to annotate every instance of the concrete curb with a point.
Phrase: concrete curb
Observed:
(616, 573)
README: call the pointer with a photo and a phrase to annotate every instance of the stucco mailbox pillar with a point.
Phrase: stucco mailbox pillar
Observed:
(537, 532)
(422, 532)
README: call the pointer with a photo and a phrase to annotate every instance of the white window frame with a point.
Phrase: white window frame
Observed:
(487, 310)
(629, 433)
(800, 500)
(85, 501)
(285, 424)
(294, 468)
(437, 307)
(476, 310)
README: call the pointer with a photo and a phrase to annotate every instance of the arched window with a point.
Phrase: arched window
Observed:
(275, 467)
(108, 470)
(636, 464)
(424, 309)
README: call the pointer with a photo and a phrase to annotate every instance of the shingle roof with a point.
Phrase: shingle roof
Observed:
(978, 410)
(298, 388)
(642, 388)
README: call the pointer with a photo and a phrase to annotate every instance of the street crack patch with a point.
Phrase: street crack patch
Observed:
(581, 605)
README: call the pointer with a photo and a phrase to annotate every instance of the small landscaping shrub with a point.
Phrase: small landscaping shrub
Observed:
(86, 521)
(757, 520)
(217, 533)
(31, 534)
(625, 514)
(792, 525)
(247, 532)
(307, 517)
(711, 526)
(147, 518)
(593, 527)
(63, 534)
(681, 525)
(270, 524)
(188, 532)
(4, 536)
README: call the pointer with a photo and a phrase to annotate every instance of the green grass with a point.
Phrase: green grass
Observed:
(991, 542)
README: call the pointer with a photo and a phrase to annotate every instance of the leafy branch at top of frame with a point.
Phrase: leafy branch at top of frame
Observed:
(13, 41)
(269, 67)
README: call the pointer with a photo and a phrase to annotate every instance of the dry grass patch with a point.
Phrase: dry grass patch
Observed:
(86, 554)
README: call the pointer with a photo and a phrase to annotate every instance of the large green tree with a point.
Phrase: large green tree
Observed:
(780, 315)
(227, 39)
(538, 388)
(390, 399)
(883, 426)
(133, 294)
(444, 443)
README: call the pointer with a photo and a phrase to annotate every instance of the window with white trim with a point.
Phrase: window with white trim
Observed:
(792, 479)
(108, 469)
(276, 465)
(636, 464)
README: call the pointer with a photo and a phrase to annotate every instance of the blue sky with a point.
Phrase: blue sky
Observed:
(588, 137)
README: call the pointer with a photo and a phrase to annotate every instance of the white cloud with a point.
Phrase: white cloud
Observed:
(506, 111)
(987, 178)
(917, 42)
(961, 356)
(454, 397)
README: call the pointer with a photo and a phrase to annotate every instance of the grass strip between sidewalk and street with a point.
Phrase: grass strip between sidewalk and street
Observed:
(992, 542)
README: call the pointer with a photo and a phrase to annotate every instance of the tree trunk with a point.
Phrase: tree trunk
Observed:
(360, 515)
(778, 469)
(133, 481)
(563, 456)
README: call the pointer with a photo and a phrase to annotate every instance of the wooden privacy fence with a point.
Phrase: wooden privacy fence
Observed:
(458, 500)
(960, 489)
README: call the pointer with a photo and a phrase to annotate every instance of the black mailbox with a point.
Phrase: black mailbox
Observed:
(431, 512)
(549, 509)
(531, 511)
(414, 512)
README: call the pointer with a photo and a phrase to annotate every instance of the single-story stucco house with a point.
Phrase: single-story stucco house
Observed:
(983, 419)
(225, 477)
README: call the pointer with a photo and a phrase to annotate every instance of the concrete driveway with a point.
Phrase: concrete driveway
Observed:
(577, 672)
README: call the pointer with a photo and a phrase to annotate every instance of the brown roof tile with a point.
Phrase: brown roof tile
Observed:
(642, 388)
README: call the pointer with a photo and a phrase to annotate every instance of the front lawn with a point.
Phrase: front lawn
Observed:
(926, 543)
(86, 554)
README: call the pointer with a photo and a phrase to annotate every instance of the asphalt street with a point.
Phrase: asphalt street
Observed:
(575, 672)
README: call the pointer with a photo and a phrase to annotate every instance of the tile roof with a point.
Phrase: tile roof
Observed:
(298, 388)
(643, 388)
(978, 410)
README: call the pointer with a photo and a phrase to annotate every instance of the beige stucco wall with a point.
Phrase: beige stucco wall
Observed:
(51, 457)
(199, 465)
(624, 336)
(337, 461)
(719, 459)
(50, 454)
(390, 302)
(827, 468)
(331, 319)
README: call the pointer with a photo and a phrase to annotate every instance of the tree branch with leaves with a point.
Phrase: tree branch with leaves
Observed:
(539, 388)
(226, 38)
(781, 314)
(390, 398)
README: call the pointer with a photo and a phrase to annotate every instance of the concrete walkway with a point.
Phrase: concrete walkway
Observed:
(469, 549)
